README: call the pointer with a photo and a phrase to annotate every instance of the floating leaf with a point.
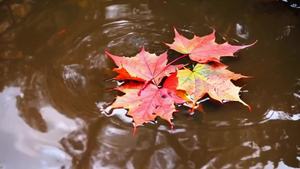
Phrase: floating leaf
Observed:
(153, 86)
(203, 49)
(214, 81)
(152, 102)
(144, 66)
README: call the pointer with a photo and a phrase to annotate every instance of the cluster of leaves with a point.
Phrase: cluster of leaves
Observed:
(153, 86)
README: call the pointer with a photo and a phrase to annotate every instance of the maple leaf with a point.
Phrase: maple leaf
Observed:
(171, 84)
(142, 67)
(146, 106)
(124, 75)
(147, 97)
(215, 81)
(203, 49)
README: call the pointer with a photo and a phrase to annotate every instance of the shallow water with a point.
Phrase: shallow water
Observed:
(55, 85)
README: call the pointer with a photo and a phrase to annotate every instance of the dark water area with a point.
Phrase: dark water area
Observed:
(55, 85)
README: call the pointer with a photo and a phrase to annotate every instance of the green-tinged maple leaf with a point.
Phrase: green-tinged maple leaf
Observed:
(214, 81)
(203, 49)
(153, 86)
(171, 84)
(142, 67)
(144, 107)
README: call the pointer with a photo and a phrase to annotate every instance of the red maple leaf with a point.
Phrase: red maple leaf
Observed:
(147, 100)
(203, 49)
(171, 84)
(142, 67)
(152, 102)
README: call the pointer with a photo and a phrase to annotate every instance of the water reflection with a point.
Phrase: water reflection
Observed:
(55, 88)
(30, 146)
(111, 152)
(292, 3)
(280, 115)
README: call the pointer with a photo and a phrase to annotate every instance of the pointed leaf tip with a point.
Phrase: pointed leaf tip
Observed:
(204, 49)
(151, 103)
(249, 108)
(215, 81)
(144, 65)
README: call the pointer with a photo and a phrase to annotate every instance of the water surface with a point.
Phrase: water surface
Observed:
(55, 85)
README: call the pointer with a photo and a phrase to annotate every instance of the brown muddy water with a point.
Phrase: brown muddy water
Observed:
(55, 85)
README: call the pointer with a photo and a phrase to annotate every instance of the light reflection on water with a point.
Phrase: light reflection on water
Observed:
(29, 144)
(281, 115)
(58, 115)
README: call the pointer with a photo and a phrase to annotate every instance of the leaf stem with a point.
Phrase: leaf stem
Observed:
(151, 80)
(145, 85)
(169, 64)
(180, 57)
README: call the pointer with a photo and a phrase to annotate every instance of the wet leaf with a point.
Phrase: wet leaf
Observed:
(152, 102)
(171, 84)
(153, 86)
(144, 66)
(214, 81)
(203, 49)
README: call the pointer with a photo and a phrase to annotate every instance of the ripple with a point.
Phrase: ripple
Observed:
(72, 76)
(127, 37)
